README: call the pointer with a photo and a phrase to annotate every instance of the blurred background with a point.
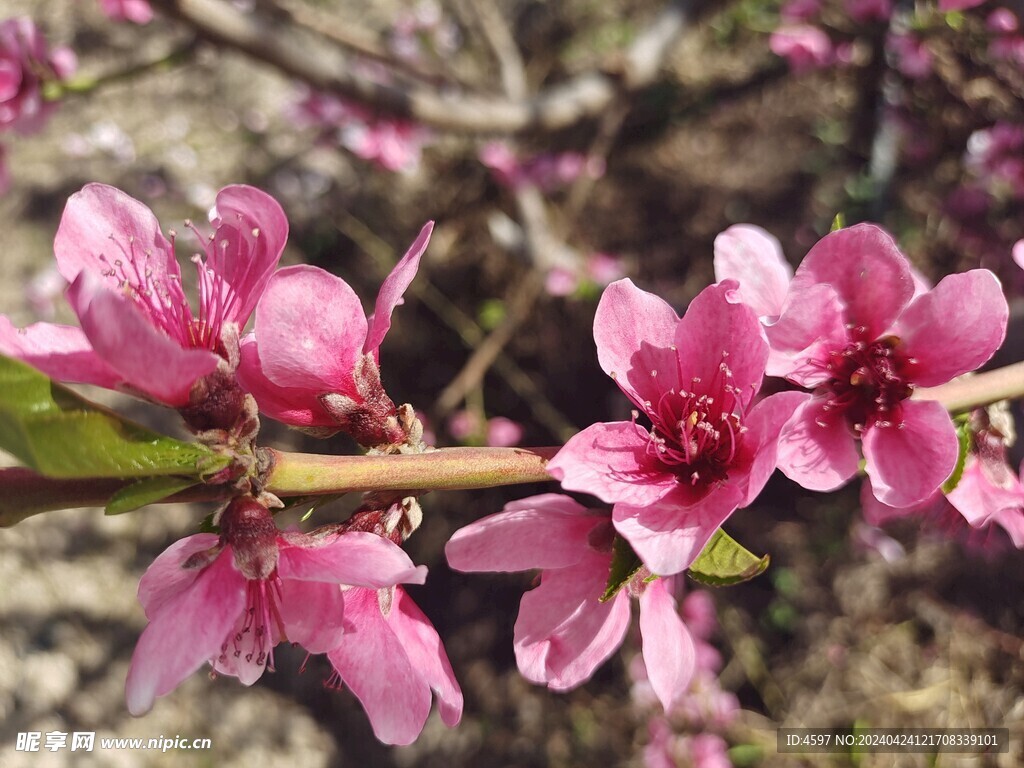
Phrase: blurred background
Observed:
(699, 116)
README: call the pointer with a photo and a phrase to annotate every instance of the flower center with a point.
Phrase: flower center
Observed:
(261, 627)
(698, 434)
(869, 381)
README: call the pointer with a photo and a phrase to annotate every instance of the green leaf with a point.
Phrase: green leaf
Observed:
(963, 437)
(838, 222)
(625, 565)
(723, 562)
(145, 492)
(58, 433)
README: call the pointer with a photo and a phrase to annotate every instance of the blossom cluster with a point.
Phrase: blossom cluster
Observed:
(27, 64)
(227, 599)
(852, 334)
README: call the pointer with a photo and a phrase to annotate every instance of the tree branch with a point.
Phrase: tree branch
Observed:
(315, 61)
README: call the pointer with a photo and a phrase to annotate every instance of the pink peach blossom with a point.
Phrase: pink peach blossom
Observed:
(26, 63)
(392, 659)
(564, 630)
(864, 11)
(312, 360)
(547, 172)
(710, 448)
(138, 332)
(805, 47)
(137, 11)
(857, 331)
(913, 59)
(795, 11)
(229, 600)
(391, 143)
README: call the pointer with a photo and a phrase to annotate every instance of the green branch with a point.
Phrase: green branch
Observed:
(449, 469)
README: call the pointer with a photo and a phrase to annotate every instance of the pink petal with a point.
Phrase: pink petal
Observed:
(564, 632)
(954, 328)
(142, 355)
(102, 225)
(979, 496)
(251, 231)
(668, 537)
(355, 559)
(426, 653)
(817, 449)
(62, 352)
(716, 331)
(313, 613)
(298, 407)
(546, 531)
(634, 331)
(611, 462)
(188, 631)
(669, 652)
(811, 325)
(1018, 253)
(391, 290)
(753, 258)
(310, 328)
(764, 424)
(395, 697)
(867, 270)
(1011, 521)
(908, 463)
(165, 577)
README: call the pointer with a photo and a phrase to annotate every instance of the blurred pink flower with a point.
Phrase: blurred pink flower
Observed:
(137, 11)
(498, 432)
(547, 172)
(796, 11)
(995, 156)
(805, 47)
(855, 328)
(40, 292)
(138, 331)
(392, 659)
(564, 630)
(1018, 253)
(393, 144)
(710, 449)
(597, 268)
(423, 29)
(958, 5)
(1002, 20)
(865, 11)
(561, 281)
(503, 433)
(26, 63)
(229, 600)
(913, 59)
(320, 368)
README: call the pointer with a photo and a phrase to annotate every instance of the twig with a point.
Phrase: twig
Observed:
(471, 334)
(444, 469)
(82, 84)
(523, 294)
(745, 649)
(355, 40)
(321, 65)
(503, 45)
(980, 389)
